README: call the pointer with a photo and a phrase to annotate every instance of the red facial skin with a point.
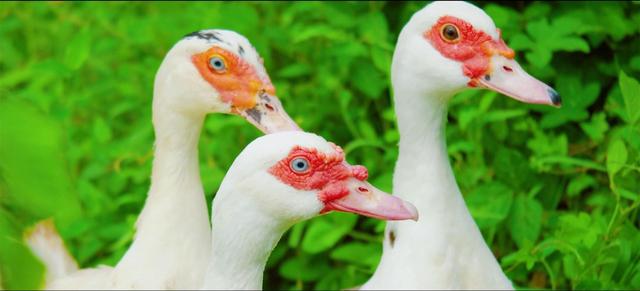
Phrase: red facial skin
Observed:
(238, 84)
(326, 174)
(473, 48)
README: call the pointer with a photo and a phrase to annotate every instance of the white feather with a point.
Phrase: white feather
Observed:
(173, 233)
(45, 242)
(444, 249)
(253, 209)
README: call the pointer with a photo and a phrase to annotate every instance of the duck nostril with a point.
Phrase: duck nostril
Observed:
(269, 107)
(363, 189)
(508, 69)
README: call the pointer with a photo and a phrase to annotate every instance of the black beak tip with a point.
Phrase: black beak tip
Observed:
(555, 97)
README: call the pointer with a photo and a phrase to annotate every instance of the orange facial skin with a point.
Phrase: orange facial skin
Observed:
(239, 84)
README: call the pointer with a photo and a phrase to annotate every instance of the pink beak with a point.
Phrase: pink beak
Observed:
(365, 199)
(507, 77)
(269, 115)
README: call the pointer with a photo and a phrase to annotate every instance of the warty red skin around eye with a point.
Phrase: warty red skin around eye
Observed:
(474, 48)
(325, 174)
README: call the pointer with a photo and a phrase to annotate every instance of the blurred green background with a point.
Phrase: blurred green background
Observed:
(555, 191)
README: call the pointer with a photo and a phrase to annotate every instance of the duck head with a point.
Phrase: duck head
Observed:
(456, 45)
(220, 71)
(296, 175)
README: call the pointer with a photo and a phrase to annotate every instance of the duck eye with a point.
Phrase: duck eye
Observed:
(299, 165)
(217, 63)
(450, 33)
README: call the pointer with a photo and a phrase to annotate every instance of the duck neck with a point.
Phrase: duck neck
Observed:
(172, 231)
(423, 174)
(444, 249)
(176, 188)
(243, 236)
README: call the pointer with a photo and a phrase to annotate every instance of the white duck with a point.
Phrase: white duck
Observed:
(445, 48)
(205, 72)
(278, 180)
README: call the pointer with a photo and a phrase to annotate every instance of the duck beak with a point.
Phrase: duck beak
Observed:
(507, 77)
(365, 199)
(268, 115)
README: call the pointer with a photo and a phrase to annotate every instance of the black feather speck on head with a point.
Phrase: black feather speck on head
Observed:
(209, 35)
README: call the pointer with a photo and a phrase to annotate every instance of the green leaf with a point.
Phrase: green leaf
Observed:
(537, 10)
(635, 281)
(523, 255)
(504, 17)
(358, 253)
(304, 268)
(234, 11)
(78, 50)
(489, 204)
(319, 31)
(342, 278)
(368, 80)
(521, 42)
(512, 167)
(596, 127)
(539, 57)
(579, 184)
(569, 161)
(295, 235)
(575, 44)
(547, 38)
(525, 221)
(577, 97)
(614, 22)
(381, 59)
(498, 115)
(276, 256)
(368, 132)
(383, 182)
(294, 70)
(616, 157)
(466, 116)
(634, 63)
(373, 27)
(101, 130)
(577, 229)
(578, 93)
(571, 267)
(624, 193)
(19, 268)
(631, 93)
(547, 144)
(324, 232)
(568, 24)
(563, 116)
(33, 164)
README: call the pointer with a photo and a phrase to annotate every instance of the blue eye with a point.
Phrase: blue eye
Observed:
(217, 64)
(299, 165)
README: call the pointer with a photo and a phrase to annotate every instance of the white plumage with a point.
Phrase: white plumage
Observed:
(172, 232)
(445, 249)
(254, 206)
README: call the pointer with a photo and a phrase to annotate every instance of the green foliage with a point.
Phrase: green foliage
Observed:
(38, 140)
(556, 192)
(19, 268)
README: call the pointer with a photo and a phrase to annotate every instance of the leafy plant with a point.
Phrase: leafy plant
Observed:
(555, 192)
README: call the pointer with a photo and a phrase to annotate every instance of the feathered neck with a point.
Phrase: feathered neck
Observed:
(445, 248)
(242, 238)
(172, 231)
